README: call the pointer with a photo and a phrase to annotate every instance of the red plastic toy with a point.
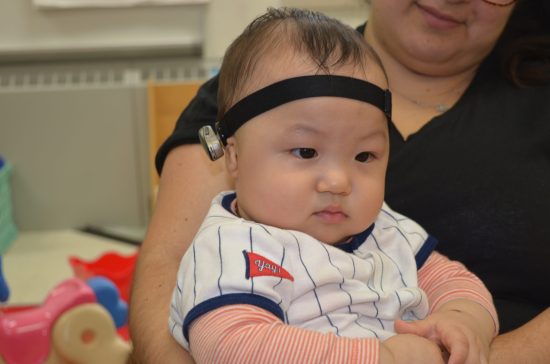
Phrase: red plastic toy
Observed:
(117, 268)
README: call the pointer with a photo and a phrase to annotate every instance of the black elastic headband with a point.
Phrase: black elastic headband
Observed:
(298, 88)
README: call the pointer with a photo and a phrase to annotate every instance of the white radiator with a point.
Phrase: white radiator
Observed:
(76, 135)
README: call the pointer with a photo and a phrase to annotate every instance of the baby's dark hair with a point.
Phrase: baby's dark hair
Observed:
(326, 41)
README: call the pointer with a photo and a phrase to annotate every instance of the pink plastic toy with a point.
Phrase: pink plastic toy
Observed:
(69, 327)
(117, 268)
(34, 326)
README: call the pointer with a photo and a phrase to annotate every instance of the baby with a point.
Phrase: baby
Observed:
(304, 262)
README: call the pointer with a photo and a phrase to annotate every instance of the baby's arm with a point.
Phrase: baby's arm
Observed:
(463, 318)
(249, 334)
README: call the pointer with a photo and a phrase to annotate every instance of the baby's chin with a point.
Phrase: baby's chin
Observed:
(330, 236)
(332, 239)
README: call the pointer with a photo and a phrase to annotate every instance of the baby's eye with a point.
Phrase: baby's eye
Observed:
(304, 153)
(364, 157)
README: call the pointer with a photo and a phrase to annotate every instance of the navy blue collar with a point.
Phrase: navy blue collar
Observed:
(356, 241)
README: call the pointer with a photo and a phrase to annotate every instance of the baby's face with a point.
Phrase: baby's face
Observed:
(315, 165)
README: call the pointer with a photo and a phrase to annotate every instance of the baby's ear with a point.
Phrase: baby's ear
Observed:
(231, 157)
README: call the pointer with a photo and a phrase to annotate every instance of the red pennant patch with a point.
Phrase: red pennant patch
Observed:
(257, 266)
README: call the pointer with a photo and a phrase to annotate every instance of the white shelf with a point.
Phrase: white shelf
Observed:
(37, 261)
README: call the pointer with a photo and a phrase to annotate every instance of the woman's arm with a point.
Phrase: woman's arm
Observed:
(526, 344)
(188, 183)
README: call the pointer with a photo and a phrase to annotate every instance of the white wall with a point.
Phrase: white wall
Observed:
(227, 18)
(27, 31)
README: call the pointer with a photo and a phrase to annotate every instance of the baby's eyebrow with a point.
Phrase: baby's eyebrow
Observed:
(302, 128)
(376, 133)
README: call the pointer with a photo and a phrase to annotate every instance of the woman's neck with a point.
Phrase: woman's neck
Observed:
(419, 97)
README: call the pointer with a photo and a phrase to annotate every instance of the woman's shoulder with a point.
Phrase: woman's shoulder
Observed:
(492, 96)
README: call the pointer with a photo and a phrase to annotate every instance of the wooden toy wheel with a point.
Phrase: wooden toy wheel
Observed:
(87, 335)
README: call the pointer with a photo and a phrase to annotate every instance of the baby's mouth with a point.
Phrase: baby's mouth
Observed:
(331, 214)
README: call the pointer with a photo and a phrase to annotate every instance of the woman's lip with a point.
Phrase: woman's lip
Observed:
(437, 19)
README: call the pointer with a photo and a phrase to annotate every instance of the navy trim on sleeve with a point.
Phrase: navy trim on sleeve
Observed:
(425, 251)
(230, 299)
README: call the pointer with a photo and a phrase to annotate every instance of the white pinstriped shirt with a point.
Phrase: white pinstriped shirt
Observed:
(356, 289)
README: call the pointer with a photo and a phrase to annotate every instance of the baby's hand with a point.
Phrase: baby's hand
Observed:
(460, 333)
(405, 348)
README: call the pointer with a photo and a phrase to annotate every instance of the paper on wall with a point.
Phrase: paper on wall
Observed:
(110, 3)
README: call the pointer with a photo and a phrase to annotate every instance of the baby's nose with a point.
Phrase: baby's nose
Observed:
(335, 180)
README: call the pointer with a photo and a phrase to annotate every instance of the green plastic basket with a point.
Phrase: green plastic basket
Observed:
(8, 231)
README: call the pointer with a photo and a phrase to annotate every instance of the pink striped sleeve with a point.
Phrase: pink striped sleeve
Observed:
(249, 334)
(444, 280)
